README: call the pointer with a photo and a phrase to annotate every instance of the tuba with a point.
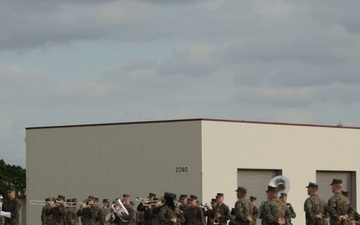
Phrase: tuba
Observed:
(281, 183)
(120, 210)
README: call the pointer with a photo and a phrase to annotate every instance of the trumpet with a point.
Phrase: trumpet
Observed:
(39, 202)
(205, 206)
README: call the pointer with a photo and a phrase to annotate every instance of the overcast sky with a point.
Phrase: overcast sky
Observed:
(104, 61)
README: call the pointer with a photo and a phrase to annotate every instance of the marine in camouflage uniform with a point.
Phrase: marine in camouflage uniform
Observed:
(12, 205)
(338, 206)
(149, 210)
(243, 208)
(58, 213)
(183, 203)
(221, 211)
(97, 212)
(131, 218)
(46, 219)
(315, 207)
(86, 212)
(292, 214)
(71, 217)
(194, 215)
(256, 211)
(170, 214)
(105, 210)
(273, 210)
(208, 213)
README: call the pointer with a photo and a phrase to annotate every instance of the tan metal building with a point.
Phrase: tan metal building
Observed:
(194, 156)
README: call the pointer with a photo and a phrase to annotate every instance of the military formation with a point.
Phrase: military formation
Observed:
(187, 210)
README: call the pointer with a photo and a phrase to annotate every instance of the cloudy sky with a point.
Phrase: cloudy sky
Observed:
(99, 61)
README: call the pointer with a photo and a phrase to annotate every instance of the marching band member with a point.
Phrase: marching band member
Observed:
(71, 217)
(58, 211)
(338, 205)
(13, 206)
(105, 210)
(169, 213)
(86, 212)
(194, 214)
(46, 219)
(273, 211)
(128, 219)
(256, 212)
(243, 208)
(208, 213)
(150, 210)
(292, 214)
(221, 211)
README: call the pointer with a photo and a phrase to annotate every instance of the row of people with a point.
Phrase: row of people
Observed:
(188, 210)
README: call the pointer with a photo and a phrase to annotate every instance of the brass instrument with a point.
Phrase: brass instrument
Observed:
(281, 183)
(205, 206)
(120, 210)
(147, 201)
(216, 219)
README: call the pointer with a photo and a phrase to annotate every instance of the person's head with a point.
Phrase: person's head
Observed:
(126, 199)
(219, 198)
(213, 202)
(60, 199)
(151, 196)
(241, 192)
(271, 192)
(169, 199)
(11, 193)
(346, 193)
(183, 199)
(253, 199)
(283, 197)
(47, 201)
(312, 188)
(336, 185)
(193, 200)
(106, 202)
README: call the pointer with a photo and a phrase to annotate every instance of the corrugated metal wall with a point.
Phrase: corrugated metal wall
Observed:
(110, 160)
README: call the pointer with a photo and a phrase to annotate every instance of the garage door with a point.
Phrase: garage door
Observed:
(324, 179)
(256, 182)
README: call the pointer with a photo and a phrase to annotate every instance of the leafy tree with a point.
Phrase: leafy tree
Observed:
(12, 176)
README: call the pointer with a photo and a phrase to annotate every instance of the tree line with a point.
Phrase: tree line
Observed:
(12, 176)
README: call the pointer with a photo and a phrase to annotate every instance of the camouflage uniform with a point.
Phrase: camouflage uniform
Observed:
(71, 217)
(291, 214)
(224, 212)
(131, 218)
(104, 211)
(194, 216)
(97, 214)
(149, 214)
(58, 214)
(243, 209)
(339, 205)
(166, 214)
(272, 210)
(209, 215)
(13, 206)
(87, 215)
(255, 215)
(46, 219)
(315, 205)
